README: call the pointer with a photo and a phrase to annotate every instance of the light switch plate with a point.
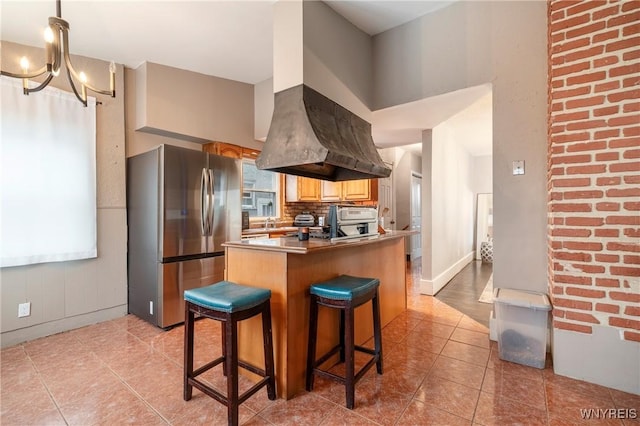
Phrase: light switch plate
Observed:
(518, 167)
(24, 309)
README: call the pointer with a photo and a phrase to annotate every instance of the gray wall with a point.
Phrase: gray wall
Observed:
(67, 295)
(473, 43)
(178, 107)
(337, 62)
(193, 107)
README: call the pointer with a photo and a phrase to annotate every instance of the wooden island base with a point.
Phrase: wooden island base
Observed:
(288, 267)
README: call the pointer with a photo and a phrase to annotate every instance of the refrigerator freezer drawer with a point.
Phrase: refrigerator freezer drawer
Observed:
(176, 277)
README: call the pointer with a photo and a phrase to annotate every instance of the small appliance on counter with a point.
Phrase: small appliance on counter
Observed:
(352, 222)
(304, 219)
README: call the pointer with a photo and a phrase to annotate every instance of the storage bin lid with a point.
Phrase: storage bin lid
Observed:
(525, 299)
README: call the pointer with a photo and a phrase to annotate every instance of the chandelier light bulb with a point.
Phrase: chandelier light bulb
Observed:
(48, 35)
(112, 67)
(24, 64)
(83, 77)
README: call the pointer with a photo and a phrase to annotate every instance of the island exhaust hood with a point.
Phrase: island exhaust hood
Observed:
(312, 136)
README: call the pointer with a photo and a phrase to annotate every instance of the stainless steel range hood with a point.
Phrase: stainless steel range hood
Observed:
(312, 136)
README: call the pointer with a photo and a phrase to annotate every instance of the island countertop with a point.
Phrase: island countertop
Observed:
(295, 246)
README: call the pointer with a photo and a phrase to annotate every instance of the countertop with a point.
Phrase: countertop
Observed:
(293, 245)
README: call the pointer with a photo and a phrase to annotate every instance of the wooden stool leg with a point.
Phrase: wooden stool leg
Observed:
(349, 356)
(231, 361)
(268, 351)
(377, 332)
(311, 347)
(223, 335)
(188, 351)
(341, 336)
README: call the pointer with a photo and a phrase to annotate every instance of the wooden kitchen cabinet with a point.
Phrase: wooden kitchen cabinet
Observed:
(330, 191)
(298, 188)
(224, 149)
(230, 150)
(356, 190)
(350, 190)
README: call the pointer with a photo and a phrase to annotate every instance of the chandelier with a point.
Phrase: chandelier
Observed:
(56, 36)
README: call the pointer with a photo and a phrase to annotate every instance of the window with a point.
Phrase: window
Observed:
(47, 177)
(260, 191)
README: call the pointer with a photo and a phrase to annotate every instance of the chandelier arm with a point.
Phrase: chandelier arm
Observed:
(41, 86)
(102, 92)
(75, 91)
(57, 54)
(67, 59)
(74, 73)
(26, 75)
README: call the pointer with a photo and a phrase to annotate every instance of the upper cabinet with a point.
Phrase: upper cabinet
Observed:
(230, 150)
(306, 189)
(300, 188)
(330, 191)
(350, 190)
(358, 189)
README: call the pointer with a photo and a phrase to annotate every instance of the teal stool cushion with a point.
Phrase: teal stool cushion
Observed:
(344, 287)
(226, 296)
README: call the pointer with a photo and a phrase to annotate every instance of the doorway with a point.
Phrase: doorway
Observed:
(385, 201)
(484, 224)
(416, 216)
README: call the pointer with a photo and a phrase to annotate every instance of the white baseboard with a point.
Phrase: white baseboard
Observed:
(13, 337)
(431, 287)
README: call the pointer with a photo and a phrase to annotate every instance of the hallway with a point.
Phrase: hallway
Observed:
(464, 290)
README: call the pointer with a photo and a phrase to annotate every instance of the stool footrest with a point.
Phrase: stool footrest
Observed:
(343, 380)
(208, 390)
(255, 388)
(252, 368)
(208, 366)
(220, 397)
(365, 350)
(326, 356)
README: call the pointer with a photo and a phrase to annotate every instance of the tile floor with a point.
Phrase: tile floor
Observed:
(440, 369)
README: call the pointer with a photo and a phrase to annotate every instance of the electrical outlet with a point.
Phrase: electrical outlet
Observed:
(24, 309)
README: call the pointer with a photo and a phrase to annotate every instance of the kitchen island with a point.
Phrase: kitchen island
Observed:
(288, 267)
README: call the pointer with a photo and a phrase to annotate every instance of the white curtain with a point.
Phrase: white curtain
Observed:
(47, 176)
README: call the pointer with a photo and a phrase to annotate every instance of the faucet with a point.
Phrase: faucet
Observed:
(269, 220)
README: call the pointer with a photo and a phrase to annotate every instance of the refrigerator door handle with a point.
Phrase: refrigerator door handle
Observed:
(212, 202)
(204, 202)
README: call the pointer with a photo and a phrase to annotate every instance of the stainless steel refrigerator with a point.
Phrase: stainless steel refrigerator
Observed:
(182, 205)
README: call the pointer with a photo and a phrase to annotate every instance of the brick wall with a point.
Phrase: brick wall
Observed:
(594, 165)
(315, 208)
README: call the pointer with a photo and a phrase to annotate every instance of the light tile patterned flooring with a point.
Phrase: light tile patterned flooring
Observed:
(440, 369)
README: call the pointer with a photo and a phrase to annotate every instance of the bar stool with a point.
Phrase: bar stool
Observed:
(228, 302)
(345, 293)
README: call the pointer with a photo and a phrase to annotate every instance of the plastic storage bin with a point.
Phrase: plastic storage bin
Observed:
(522, 326)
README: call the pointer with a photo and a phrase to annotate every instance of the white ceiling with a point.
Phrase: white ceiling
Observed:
(229, 39)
